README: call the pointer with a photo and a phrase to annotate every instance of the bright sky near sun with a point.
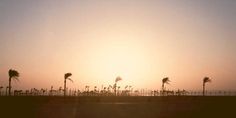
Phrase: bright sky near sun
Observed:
(142, 41)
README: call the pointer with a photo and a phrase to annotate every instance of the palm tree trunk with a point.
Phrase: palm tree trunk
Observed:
(203, 90)
(115, 89)
(65, 87)
(162, 86)
(9, 90)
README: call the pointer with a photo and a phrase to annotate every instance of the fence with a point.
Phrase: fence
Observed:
(141, 92)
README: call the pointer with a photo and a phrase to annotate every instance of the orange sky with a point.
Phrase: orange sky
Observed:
(142, 41)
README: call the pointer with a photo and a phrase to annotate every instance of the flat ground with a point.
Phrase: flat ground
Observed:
(118, 107)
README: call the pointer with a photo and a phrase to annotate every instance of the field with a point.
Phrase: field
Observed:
(118, 107)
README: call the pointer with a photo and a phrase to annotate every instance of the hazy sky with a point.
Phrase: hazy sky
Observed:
(140, 40)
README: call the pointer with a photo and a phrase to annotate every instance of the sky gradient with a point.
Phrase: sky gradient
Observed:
(142, 41)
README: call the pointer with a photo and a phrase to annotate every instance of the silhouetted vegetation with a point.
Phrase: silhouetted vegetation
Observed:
(115, 85)
(13, 74)
(66, 77)
(109, 90)
(205, 80)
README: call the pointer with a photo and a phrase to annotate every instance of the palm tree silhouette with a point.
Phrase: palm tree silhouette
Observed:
(13, 74)
(115, 85)
(165, 80)
(66, 76)
(205, 80)
(1, 87)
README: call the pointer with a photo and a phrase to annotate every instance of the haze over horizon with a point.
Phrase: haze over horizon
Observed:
(142, 41)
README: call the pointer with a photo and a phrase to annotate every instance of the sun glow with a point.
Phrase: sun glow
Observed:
(113, 59)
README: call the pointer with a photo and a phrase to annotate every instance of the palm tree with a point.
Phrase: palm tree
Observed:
(13, 74)
(66, 76)
(205, 80)
(115, 85)
(1, 87)
(165, 80)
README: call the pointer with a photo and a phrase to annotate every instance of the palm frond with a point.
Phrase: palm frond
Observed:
(166, 80)
(206, 79)
(16, 79)
(13, 74)
(67, 75)
(118, 79)
(70, 80)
